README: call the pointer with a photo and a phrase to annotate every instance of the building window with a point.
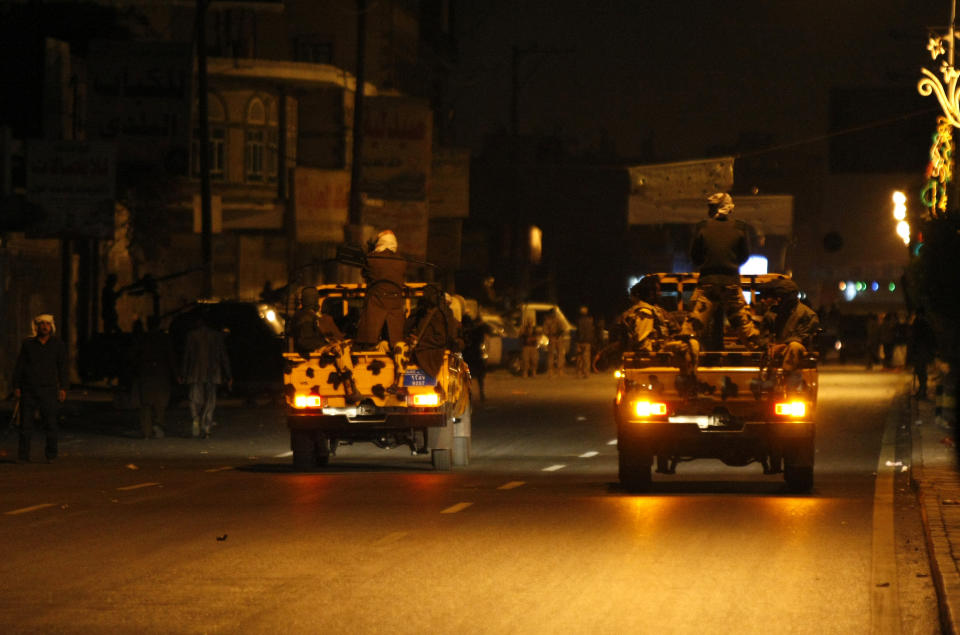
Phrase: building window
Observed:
(218, 141)
(260, 143)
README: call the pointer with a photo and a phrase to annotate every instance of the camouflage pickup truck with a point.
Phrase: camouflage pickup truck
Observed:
(391, 402)
(738, 408)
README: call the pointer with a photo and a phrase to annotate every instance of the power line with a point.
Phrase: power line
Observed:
(830, 135)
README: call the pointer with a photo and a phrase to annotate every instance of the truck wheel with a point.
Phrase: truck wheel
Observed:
(635, 464)
(799, 478)
(310, 450)
(798, 466)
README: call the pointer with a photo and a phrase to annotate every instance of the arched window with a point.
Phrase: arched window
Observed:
(260, 148)
(217, 122)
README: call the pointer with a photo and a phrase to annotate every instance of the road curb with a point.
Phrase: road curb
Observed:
(943, 566)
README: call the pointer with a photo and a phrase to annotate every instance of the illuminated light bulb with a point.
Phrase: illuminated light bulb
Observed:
(903, 231)
(899, 198)
(842, 286)
(899, 212)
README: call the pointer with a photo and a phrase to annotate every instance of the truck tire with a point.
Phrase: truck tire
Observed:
(310, 450)
(635, 464)
(798, 466)
(799, 478)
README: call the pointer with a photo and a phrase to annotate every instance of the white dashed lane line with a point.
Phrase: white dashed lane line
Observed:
(390, 538)
(137, 486)
(554, 468)
(589, 455)
(283, 455)
(220, 469)
(453, 509)
(27, 510)
(612, 442)
(511, 485)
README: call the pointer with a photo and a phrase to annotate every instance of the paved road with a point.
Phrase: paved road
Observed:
(219, 535)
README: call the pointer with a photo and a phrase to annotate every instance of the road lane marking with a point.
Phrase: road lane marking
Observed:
(453, 509)
(283, 455)
(27, 510)
(220, 469)
(511, 485)
(589, 455)
(612, 442)
(137, 486)
(390, 538)
(554, 468)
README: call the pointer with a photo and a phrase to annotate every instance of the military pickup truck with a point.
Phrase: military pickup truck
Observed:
(388, 404)
(737, 407)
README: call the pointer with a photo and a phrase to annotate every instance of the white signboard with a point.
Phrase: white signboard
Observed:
(74, 183)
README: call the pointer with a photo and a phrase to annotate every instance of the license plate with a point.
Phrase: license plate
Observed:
(418, 378)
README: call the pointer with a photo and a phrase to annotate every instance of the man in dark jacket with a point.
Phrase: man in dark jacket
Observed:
(310, 328)
(585, 333)
(156, 371)
(205, 366)
(719, 247)
(383, 302)
(40, 380)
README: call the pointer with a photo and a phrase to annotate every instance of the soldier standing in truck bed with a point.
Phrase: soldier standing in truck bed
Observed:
(720, 245)
(383, 303)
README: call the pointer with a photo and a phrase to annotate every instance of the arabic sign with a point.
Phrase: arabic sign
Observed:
(140, 95)
(321, 200)
(397, 138)
(664, 193)
(74, 184)
(450, 183)
(768, 215)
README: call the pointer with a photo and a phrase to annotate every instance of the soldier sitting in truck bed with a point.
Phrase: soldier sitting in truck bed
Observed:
(789, 325)
(645, 325)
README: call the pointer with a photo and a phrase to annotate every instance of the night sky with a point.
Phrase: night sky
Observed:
(669, 80)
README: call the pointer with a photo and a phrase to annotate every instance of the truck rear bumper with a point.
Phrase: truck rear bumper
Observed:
(341, 426)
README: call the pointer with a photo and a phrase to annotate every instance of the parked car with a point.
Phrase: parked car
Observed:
(503, 345)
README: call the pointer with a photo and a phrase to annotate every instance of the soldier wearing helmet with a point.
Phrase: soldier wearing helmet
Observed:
(645, 325)
(789, 325)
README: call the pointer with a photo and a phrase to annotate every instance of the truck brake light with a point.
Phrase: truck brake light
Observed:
(790, 409)
(309, 401)
(649, 408)
(426, 399)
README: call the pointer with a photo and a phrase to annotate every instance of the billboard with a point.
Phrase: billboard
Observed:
(140, 95)
(662, 193)
(73, 182)
(321, 200)
(397, 142)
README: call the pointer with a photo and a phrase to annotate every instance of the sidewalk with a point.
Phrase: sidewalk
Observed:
(937, 482)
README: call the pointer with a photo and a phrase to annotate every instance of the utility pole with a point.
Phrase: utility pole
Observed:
(356, 203)
(203, 114)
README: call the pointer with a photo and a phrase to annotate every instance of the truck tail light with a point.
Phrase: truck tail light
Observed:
(649, 408)
(309, 401)
(790, 409)
(426, 399)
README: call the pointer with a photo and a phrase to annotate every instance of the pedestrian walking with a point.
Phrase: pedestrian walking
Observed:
(921, 348)
(474, 333)
(204, 367)
(40, 380)
(585, 336)
(888, 337)
(156, 371)
(529, 351)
